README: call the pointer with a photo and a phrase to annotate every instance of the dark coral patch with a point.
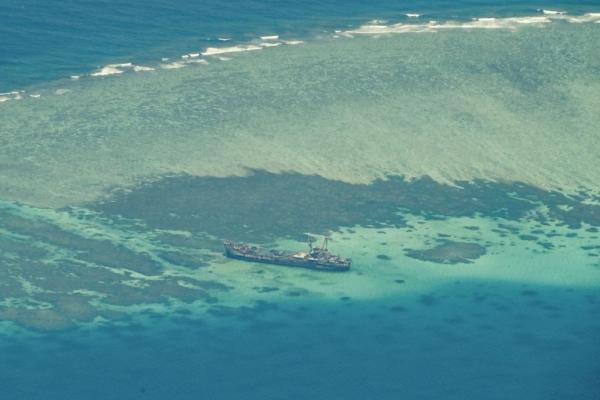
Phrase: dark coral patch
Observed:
(186, 214)
(265, 289)
(449, 252)
(220, 206)
(528, 237)
(428, 300)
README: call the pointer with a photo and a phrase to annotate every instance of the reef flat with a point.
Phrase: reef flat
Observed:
(124, 256)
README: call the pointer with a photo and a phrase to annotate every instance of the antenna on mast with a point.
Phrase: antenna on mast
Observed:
(310, 241)
(326, 239)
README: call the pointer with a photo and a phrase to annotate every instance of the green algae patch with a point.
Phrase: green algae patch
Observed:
(449, 252)
(51, 312)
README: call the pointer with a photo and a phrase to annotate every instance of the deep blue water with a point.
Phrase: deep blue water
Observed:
(515, 343)
(41, 41)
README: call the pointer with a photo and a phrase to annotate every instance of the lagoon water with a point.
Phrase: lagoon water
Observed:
(452, 150)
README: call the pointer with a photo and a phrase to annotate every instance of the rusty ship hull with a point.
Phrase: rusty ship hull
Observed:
(317, 259)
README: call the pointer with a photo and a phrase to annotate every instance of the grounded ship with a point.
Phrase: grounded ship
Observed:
(318, 258)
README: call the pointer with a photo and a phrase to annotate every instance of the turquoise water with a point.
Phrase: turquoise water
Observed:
(453, 155)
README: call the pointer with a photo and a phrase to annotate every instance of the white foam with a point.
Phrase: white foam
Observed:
(175, 65)
(374, 28)
(197, 61)
(116, 69)
(396, 28)
(552, 12)
(35, 96)
(211, 51)
(377, 22)
(142, 68)
(10, 96)
(222, 39)
(579, 19)
(293, 42)
(433, 26)
(60, 92)
(527, 20)
(411, 15)
(477, 23)
(74, 77)
(122, 65)
(270, 44)
(190, 55)
(165, 59)
(495, 23)
(106, 71)
(223, 58)
(272, 37)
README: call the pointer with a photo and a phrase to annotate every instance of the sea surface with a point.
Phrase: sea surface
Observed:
(451, 149)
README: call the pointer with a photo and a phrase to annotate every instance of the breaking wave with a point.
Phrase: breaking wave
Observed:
(416, 24)
(548, 16)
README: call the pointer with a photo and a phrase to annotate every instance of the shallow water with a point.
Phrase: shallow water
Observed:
(456, 162)
(461, 104)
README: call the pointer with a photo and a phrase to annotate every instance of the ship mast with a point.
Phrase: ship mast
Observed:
(309, 239)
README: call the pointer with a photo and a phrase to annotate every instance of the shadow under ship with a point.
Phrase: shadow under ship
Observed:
(318, 258)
